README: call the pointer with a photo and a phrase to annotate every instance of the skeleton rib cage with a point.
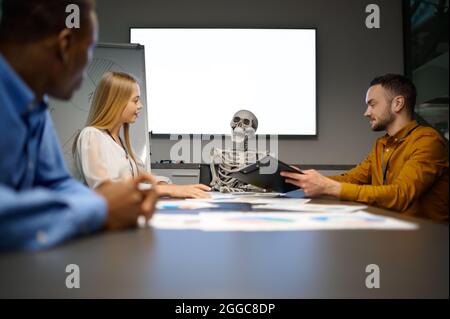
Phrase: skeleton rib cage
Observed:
(231, 161)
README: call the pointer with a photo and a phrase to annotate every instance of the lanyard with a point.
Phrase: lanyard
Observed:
(384, 166)
(125, 150)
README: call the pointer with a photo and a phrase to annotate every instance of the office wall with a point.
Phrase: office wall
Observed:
(349, 56)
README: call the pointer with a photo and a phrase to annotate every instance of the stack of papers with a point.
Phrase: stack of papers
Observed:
(300, 205)
(257, 203)
(238, 221)
(269, 212)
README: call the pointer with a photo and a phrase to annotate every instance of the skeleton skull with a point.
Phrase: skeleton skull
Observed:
(243, 126)
(244, 119)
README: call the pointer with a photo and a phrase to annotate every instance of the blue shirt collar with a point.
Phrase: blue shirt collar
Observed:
(18, 90)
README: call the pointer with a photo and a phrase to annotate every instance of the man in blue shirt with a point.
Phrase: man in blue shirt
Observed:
(40, 203)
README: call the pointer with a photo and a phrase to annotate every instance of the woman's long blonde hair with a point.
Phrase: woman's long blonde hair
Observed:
(110, 99)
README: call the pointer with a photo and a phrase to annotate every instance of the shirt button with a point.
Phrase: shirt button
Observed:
(30, 165)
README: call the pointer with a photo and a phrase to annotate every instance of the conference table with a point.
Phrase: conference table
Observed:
(162, 263)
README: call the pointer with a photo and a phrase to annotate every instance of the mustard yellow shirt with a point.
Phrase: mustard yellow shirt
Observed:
(414, 166)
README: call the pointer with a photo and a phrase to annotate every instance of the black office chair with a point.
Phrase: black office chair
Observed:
(205, 174)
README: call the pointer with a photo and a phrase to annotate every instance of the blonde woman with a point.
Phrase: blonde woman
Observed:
(99, 151)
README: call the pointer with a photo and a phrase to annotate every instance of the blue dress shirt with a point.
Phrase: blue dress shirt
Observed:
(40, 203)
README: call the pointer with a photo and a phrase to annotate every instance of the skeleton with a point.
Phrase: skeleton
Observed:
(243, 125)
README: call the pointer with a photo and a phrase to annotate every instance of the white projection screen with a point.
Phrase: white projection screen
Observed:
(198, 78)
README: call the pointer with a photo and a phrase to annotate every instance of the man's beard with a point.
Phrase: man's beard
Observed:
(383, 122)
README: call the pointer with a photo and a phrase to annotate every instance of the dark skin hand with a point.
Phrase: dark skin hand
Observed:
(126, 202)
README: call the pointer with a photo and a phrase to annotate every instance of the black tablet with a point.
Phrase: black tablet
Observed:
(265, 173)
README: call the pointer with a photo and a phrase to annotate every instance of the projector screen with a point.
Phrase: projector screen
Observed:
(198, 78)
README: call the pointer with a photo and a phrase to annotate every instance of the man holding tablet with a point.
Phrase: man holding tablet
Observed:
(407, 168)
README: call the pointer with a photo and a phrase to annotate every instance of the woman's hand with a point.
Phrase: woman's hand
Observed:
(184, 191)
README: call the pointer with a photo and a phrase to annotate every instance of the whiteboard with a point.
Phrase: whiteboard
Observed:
(70, 117)
(199, 77)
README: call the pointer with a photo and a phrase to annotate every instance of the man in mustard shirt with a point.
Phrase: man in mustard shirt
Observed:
(407, 168)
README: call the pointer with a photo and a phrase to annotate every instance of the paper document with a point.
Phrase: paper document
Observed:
(301, 205)
(175, 221)
(237, 221)
(183, 204)
(236, 196)
(274, 204)
(260, 198)
(331, 208)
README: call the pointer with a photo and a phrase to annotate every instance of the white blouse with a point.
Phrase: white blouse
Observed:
(98, 158)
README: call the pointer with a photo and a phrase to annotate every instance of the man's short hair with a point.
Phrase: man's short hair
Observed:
(398, 84)
(29, 20)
